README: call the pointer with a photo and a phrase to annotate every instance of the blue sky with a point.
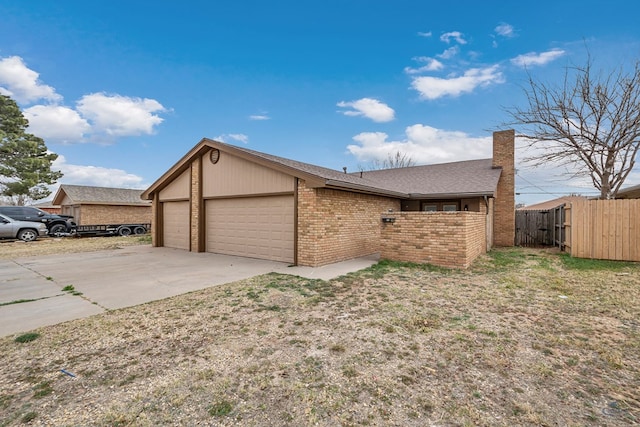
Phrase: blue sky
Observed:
(123, 89)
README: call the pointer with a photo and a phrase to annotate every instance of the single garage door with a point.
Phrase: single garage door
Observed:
(256, 227)
(175, 220)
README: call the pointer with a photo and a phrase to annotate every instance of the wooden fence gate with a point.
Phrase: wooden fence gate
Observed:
(541, 227)
(604, 229)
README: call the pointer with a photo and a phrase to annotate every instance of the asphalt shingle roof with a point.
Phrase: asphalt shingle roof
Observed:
(467, 177)
(103, 195)
(445, 179)
(630, 192)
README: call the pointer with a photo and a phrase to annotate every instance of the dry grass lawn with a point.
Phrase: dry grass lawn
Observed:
(524, 338)
(11, 249)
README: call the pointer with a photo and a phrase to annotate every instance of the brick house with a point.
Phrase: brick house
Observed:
(102, 205)
(226, 199)
(48, 207)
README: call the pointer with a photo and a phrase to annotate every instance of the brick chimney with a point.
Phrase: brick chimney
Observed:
(504, 216)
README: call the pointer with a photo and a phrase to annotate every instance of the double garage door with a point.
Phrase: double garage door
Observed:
(256, 227)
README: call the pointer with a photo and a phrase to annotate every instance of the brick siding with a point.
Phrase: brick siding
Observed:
(337, 225)
(504, 229)
(114, 214)
(446, 239)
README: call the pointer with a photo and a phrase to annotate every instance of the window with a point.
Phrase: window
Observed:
(440, 206)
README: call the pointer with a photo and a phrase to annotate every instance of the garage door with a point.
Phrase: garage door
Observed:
(257, 227)
(175, 220)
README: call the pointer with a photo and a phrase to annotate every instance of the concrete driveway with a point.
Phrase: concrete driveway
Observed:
(31, 288)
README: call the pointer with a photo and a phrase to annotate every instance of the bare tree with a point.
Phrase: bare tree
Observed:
(590, 123)
(393, 161)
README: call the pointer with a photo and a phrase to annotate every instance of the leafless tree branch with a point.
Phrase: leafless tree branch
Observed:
(393, 161)
(591, 122)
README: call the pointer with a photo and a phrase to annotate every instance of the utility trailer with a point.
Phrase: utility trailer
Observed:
(111, 230)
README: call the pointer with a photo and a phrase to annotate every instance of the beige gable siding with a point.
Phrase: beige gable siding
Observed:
(66, 201)
(233, 176)
(179, 189)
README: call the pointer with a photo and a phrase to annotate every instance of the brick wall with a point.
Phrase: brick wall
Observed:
(504, 225)
(114, 214)
(446, 239)
(338, 225)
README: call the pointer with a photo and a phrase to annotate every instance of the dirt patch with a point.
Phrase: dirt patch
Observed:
(520, 339)
(10, 249)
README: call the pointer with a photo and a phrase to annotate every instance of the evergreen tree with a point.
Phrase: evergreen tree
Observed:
(25, 163)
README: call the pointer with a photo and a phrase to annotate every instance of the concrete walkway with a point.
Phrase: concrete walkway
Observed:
(123, 278)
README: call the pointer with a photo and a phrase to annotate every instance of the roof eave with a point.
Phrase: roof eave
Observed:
(451, 195)
(175, 170)
(114, 203)
(309, 177)
(339, 185)
(206, 144)
(59, 196)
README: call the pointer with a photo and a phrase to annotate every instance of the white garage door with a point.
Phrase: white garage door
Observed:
(175, 230)
(256, 227)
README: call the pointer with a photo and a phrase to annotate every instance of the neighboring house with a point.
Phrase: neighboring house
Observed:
(551, 204)
(101, 205)
(629, 193)
(231, 200)
(48, 207)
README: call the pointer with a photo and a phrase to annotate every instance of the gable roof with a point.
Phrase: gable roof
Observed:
(82, 194)
(459, 179)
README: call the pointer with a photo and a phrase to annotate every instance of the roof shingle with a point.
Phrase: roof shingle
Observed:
(99, 195)
(445, 180)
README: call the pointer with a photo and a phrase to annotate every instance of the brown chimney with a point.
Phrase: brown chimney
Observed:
(504, 215)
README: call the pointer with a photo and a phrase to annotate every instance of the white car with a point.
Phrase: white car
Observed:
(22, 230)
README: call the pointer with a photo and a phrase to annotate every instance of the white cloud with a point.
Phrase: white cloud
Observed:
(97, 176)
(449, 53)
(96, 114)
(505, 30)
(370, 108)
(118, 115)
(431, 65)
(453, 35)
(262, 116)
(23, 84)
(56, 122)
(427, 34)
(424, 144)
(533, 58)
(436, 87)
(240, 137)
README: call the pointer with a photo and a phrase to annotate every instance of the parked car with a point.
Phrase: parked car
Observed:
(56, 224)
(26, 231)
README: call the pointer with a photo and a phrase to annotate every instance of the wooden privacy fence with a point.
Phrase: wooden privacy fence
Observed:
(540, 227)
(604, 229)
